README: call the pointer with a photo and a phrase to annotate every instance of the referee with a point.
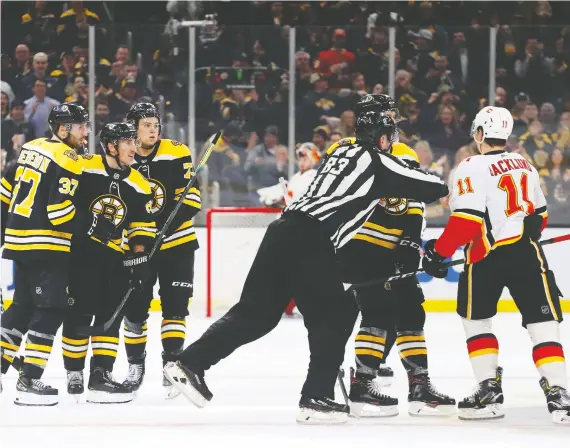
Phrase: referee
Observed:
(297, 259)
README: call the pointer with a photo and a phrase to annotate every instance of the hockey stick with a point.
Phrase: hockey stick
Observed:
(388, 280)
(98, 329)
(340, 377)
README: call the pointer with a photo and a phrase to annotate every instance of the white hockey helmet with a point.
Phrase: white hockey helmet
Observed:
(496, 122)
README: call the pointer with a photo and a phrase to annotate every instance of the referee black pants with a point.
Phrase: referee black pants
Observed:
(295, 259)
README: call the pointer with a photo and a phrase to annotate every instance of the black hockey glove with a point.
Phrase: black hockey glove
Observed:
(533, 226)
(407, 255)
(433, 263)
(101, 228)
(139, 270)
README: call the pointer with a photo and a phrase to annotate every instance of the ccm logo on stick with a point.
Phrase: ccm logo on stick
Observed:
(182, 284)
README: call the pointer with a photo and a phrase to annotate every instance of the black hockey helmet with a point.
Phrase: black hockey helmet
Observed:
(381, 103)
(115, 132)
(67, 114)
(144, 110)
(372, 124)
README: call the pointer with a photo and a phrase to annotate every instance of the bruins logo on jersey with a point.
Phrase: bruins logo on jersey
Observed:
(110, 206)
(71, 154)
(394, 206)
(175, 143)
(158, 197)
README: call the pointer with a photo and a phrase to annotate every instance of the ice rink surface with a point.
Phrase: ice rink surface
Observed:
(256, 392)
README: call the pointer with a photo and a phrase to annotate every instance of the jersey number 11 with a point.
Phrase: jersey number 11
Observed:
(507, 183)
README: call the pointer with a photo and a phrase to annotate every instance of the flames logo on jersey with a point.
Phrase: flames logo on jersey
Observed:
(394, 206)
(110, 206)
(158, 197)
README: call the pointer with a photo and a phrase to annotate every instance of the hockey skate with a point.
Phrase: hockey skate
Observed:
(367, 400)
(385, 375)
(104, 389)
(75, 383)
(135, 376)
(32, 392)
(321, 411)
(191, 385)
(558, 401)
(487, 401)
(425, 400)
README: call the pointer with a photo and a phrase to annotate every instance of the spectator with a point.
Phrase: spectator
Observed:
(557, 180)
(347, 123)
(410, 130)
(445, 134)
(536, 139)
(337, 62)
(78, 91)
(547, 117)
(320, 139)
(39, 27)
(122, 54)
(529, 114)
(317, 103)
(500, 97)
(38, 107)
(15, 131)
(303, 72)
(121, 102)
(7, 89)
(102, 114)
(425, 156)
(521, 100)
(439, 75)
(334, 137)
(39, 72)
(65, 70)
(562, 135)
(225, 167)
(5, 105)
(351, 96)
(22, 65)
(265, 163)
(405, 91)
(374, 64)
(534, 70)
(74, 24)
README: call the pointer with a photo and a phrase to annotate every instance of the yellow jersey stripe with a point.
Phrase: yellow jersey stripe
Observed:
(6, 184)
(37, 247)
(74, 341)
(371, 225)
(63, 219)
(178, 242)
(75, 354)
(4, 199)
(132, 225)
(193, 203)
(366, 337)
(15, 232)
(61, 205)
(376, 241)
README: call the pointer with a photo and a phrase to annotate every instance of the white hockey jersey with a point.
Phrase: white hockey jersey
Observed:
(490, 197)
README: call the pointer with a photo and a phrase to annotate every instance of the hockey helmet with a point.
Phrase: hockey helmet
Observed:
(373, 124)
(67, 114)
(144, 110)
(496, 122)
(378, 102)
(115, 132)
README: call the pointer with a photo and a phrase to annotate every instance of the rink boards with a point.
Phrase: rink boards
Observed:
(234, 250)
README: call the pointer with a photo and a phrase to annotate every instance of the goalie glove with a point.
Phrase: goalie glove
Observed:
(433, 263)
(407, 255)
(139, 270)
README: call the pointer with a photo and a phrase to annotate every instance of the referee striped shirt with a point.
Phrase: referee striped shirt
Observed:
(350, 182)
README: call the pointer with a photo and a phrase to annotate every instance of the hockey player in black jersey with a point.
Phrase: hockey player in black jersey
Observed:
(113, 200)
(38, 214)
(297, 259)
(389, 243)
(167, 164)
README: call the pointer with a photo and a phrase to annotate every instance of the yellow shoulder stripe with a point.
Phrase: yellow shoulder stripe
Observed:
(93, 162)
(173, 149)
(403, 151)
(60, 153)
(138, 182)
(342, 141)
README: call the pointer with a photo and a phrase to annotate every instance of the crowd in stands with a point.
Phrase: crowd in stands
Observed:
(341, 52)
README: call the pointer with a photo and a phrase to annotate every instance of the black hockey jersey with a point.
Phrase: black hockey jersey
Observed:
(37, 196)
(351, 181)
(122, 196)
(391, 220)
(168, 168)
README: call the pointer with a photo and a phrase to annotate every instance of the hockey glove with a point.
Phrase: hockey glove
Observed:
(433, 263)
(101, 228)
(139, 270)
(407, 255)
(533, 226)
